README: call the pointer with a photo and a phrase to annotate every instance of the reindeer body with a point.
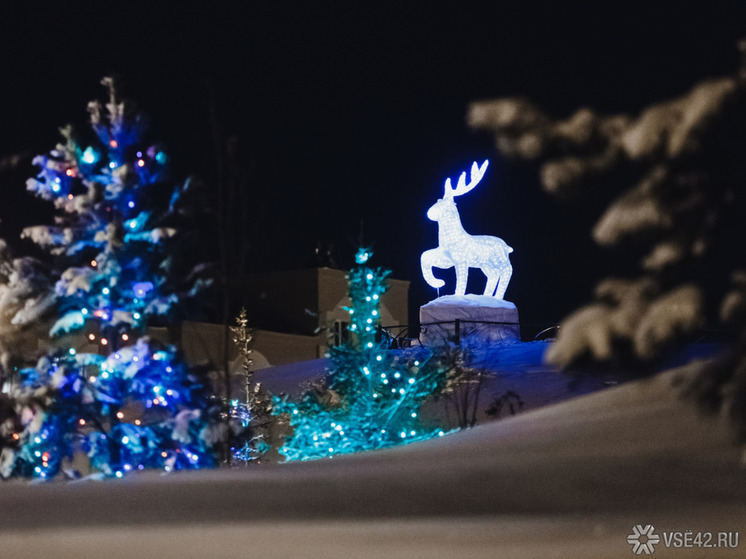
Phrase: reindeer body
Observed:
(463, 251)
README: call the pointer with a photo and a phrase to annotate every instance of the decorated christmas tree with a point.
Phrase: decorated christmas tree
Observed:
(134, 404)
(371, 397)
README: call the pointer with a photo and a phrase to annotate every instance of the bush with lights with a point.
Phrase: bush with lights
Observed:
(113, 243)
(371, 396)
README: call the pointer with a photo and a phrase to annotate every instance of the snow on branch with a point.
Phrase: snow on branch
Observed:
(684, 160)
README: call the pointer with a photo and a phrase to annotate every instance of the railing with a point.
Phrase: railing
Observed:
(401, 335)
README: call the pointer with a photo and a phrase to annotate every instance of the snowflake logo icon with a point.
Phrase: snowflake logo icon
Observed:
(642, 539)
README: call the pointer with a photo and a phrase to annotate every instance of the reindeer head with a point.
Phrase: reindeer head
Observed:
(437, 210)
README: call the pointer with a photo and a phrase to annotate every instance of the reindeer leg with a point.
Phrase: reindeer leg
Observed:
(462, 274)
(430, 259)
(506, 271)
(493, 275)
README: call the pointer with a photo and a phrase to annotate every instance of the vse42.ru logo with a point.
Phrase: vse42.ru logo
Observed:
(643, 539)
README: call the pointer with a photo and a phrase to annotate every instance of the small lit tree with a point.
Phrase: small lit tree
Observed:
(371, 397)
(252, 417)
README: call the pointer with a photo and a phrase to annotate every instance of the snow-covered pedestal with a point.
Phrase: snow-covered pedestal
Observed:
(469, 318)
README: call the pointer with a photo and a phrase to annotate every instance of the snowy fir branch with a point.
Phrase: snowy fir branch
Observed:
(680, 210)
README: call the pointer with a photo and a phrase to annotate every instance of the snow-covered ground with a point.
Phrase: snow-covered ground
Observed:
(562, 480)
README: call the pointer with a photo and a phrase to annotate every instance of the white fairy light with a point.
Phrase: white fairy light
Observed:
(458, 249)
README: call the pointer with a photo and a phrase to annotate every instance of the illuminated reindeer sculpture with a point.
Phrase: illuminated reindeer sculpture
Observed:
(458, 248)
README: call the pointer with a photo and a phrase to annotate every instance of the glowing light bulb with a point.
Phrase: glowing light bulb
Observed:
(113, 165)
(120, 415)
(69, 172)
(82, 421)
(125, 337)
(140, 163)
(136, 316)
(71, 351)
(125, 439)
(113, 143)
(105, 291)
(104, 341)
(89, 156)
(137, 422)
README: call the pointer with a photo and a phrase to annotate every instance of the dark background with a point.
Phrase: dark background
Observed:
(349, 116)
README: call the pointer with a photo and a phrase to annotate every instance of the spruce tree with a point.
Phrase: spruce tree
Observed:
(371, 396)
(135, 404)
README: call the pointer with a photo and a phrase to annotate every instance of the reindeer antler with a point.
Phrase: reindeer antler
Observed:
(477, 172)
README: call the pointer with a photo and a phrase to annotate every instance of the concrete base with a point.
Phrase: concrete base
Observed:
(471, 319)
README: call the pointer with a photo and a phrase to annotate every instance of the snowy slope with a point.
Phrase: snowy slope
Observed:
(567, 480)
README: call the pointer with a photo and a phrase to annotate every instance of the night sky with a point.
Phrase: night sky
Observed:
(354, 113)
